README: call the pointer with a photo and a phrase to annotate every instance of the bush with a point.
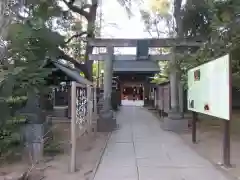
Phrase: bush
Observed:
(11, 144)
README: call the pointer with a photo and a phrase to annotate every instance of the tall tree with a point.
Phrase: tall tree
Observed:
(42, 30)
(217, 21)
(155, 17)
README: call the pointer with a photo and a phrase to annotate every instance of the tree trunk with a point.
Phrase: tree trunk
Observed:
(175, 76)
(90, 16)
(5, 20)
(178, 17)
(91, 34)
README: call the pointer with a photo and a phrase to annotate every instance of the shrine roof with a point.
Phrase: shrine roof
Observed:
(72, 72)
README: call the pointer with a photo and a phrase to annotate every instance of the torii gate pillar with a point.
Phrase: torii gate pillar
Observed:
(175, 120)
(107, 122)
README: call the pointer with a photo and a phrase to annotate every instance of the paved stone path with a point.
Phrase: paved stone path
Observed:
(141, 150)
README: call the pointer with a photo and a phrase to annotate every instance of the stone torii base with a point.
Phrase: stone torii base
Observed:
(107, 121)
(176, 121)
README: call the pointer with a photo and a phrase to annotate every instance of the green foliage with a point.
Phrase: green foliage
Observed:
(33, 37)
(217, 21)
(159, 80)
(97, 67)
(30, 43)
(10, 139)
(164, 73)
(196, 19)
(53, 148)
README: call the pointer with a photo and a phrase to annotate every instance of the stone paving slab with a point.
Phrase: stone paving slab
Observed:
(141, 150)
(116, 173)
(121, 137)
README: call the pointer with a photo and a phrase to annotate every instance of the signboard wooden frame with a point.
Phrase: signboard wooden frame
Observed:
(216, 89)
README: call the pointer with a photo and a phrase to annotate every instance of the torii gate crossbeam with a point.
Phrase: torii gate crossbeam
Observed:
(164, 42)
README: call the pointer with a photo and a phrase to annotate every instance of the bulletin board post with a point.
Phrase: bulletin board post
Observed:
(227, 125)
(227, 144)
(194, 127)
(210, 93)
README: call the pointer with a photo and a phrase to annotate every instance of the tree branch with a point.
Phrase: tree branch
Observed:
(76, 9)
(82, 67)
(85, 6)
(76, 36)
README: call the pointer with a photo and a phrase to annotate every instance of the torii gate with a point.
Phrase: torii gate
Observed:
(175, 120)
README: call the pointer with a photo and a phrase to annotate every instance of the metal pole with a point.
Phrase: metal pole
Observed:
(73, 128)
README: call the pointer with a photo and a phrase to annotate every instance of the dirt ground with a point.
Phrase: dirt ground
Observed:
(89, 151)
(210, 146)
(210, 141)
